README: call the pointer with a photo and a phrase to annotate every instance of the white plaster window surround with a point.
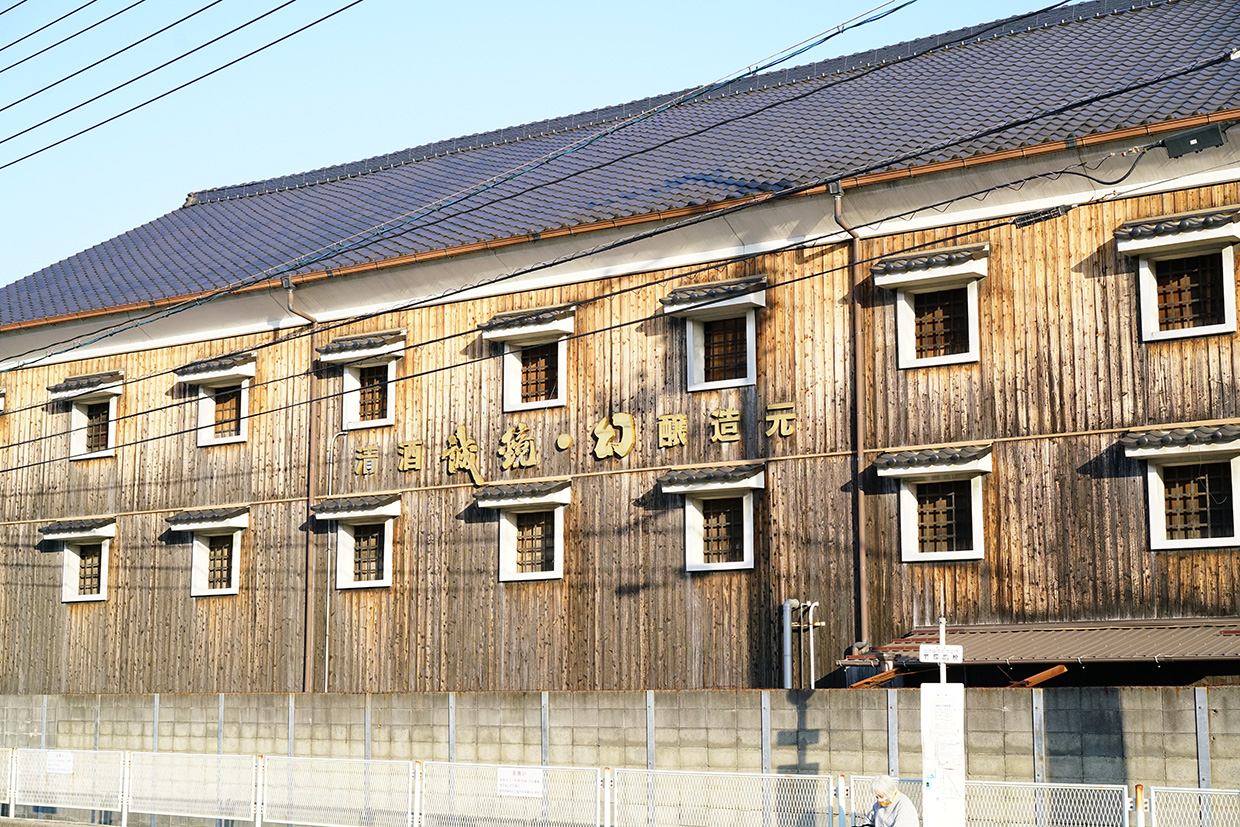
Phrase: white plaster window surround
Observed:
(371, 516)
(1211, 451)
(964, 537)
(733, 487)
(354, 355)
(204, 526)
(92, 412)
(934, 271)
(529, 329)
(84, 543)
(537, 498)
(700, 305)
(1160, 241)
(214, 378)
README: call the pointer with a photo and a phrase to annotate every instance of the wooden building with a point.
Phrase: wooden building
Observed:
(885, 336)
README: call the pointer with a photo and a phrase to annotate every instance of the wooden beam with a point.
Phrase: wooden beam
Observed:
(875, 680)
(1034, 680)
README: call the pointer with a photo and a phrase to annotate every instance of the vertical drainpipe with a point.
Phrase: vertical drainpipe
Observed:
(312, 433)
(862, 615)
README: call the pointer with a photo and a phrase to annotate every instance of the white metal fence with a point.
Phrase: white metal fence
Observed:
(331, 792)
(187, 784)
(1191, 807)
(1016, 804)
(6, 772)
(643, 798)
(81, 779)
(487, 795)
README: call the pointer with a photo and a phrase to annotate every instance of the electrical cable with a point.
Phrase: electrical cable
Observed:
(808, 242)
(46, 25)
(136, 78)
(10, 8)
(70, 37)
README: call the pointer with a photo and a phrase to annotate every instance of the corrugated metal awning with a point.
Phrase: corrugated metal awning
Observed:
(1094, 641)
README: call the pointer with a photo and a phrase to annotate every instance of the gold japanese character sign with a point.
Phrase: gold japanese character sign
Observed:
(673, 430)
(614, 436)
(462, 455)
(411, 455)
(366, 458)
(782, 419)
(725, 425)
(516, 448)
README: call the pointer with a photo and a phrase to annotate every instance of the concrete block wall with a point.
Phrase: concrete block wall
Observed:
(1154, 736)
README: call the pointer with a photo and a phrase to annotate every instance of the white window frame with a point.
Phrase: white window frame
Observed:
(910, 477)
(1160, 458)
(1147, 251)
(71, 543)
(696, 313)
(208, 383)
(77, 421)
(509, 508)
(515, 339)
(932, 280)
(346, 522)
(352, 363)
(200, 560)
(696, 493)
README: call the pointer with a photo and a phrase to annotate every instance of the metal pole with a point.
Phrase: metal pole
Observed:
(942, 642)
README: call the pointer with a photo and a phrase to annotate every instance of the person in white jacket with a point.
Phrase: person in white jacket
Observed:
(891, 808)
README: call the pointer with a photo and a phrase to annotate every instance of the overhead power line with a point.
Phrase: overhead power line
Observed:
(10, 8)
(46, 25)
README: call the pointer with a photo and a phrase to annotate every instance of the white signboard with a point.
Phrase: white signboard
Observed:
(519, 782)
(59, 762)
(940, 653)
(942, 749)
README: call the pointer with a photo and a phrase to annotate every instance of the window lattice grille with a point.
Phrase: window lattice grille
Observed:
(540, 372)
(228, 411)
(372, 395)
(368, 552)
(535, 541)
(1190, 291)
(723, 530)
(90, 568)
(944, 516)
(219, 561)
(725, 353)
(941, 322)
(1198, 501)
(97, 417)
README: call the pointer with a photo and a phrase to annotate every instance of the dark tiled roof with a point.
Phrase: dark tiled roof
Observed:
(932, 456)
(1179, 437)
(928, 260)
(207, 515)
(340, 505)
(1074, 643)
(86, 383)
(77, 525)
(715, 290)
(760, 135)
(364, 341)
(521, 318)
(718, 473)
(212, 365)
(1175, 224)
(512, 490)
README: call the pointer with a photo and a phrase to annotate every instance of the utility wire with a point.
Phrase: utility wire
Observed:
(120, 51)
(137, 78)
(10, 8)
(802, 243)
(70, 37)
(45, 26)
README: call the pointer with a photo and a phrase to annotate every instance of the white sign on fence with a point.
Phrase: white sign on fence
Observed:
(943, 764)
(940, 653)
(519, 782)
(59, 762)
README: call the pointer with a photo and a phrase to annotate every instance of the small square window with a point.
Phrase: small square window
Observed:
(368, 363)
(1198, 501)
(98, 426)
(540, 372)
(936, 304)
(365, 531)
(1191, 482)
(719, 514)
(85, 544)
(535, 541)
(368, 551)
(720, 331)
(723, 530)
(220, 562)
(725, 349)
(223, 385)
(535, 355)
(531, 527)
(227, 414)
(372, 393)
(215, 566)
(90, 569)
(940, 501)
(1190, 291)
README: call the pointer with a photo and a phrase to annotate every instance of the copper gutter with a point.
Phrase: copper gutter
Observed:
(663, 215)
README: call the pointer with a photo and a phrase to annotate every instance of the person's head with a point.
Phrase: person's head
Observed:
(885, 789)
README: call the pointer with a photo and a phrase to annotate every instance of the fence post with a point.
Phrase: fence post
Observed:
(260, 792)
(766, 731)
(544, 720)
(841, 791)
(418, 780)
(893, 734)
(1139, 806)
(1201, 697)
(607, 779)
(452, 727)
(125, 778)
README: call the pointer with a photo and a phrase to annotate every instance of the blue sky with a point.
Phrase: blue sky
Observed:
(381, 76)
